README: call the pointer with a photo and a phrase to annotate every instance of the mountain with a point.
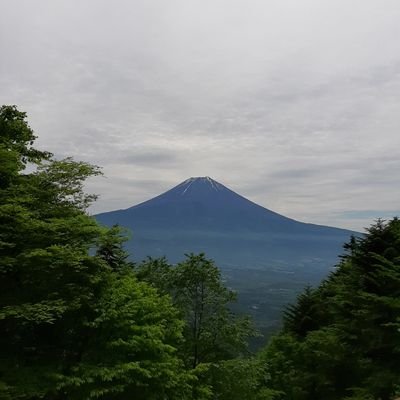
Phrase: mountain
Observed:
(266, 256)
(201, 214)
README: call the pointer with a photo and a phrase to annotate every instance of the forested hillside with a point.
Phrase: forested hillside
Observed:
(78, 320)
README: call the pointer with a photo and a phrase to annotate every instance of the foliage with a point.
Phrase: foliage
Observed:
(16, 140)
(110, 249)
(302, 317)
(157, 272)
(239, 379)
(74, 323)
(341, 340)
(132, 354)
(212, 332)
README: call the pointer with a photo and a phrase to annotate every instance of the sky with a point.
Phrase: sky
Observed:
(294, 104)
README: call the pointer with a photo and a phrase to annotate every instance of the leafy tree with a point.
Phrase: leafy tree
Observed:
(239, 379)
(132, 353)
(157, 272)
(212, 333)
(16, 140)
(60, 302)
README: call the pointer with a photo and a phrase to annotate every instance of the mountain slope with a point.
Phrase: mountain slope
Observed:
(201, 214)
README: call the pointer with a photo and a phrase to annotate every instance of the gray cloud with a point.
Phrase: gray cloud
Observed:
(294, 104)
(152, 158)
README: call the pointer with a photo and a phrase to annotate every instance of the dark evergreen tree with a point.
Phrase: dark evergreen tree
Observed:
(110, 248)
(303, 316)
(342, 339)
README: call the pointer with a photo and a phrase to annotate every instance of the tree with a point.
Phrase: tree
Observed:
(304, 316)
(132, 354)
(239, 379)
(59, 301)
(368, 309)
(157, 272)
(341, 340)
(110, 248)
(212, 332)
(16, 140)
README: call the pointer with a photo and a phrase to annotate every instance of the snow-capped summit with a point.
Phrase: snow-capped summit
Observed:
(200, 180)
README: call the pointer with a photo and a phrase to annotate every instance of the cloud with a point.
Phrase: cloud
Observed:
(293, 104)
(152, 158)
(370, 214)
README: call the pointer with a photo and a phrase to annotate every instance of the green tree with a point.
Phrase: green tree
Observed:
(303, 316)
(59, 300)
(157, 272)
(16, 140)
(368, 309)
(133, 352)
(110, 248)
(239, 379)
(341, 340)
(212, 333)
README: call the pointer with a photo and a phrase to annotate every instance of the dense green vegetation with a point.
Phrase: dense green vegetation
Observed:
(342, 339)
(74, 323)
(78, 320)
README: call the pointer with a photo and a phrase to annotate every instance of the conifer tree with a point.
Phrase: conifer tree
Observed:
(352, 348)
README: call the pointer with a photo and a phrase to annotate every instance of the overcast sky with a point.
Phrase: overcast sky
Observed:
(294, 104)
